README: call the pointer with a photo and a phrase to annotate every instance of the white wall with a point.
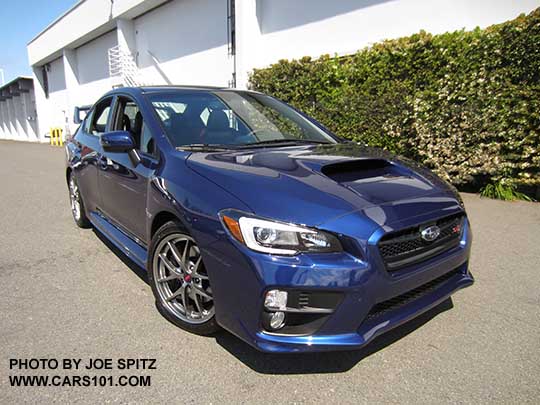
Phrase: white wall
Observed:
(42, 104)
(92, 58)
(92, 72)
(57, 101)
(17, 113)
(56, 75)
(4, 127)
(30, 111)
(189, 40)
(292, 29)
(52, 110)
(7, 127)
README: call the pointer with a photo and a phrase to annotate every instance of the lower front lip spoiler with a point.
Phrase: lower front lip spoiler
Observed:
(356, 340)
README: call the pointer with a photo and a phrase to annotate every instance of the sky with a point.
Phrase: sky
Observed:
(22, 20)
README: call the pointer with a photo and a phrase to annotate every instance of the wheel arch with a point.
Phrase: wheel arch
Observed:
(68, 173)
(162, 218)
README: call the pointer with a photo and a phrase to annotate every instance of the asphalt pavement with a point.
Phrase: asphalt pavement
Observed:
(66, 294)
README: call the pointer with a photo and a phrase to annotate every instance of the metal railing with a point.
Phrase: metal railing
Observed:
(122, 63)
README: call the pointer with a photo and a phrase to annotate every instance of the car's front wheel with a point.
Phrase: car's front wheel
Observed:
(179, 280)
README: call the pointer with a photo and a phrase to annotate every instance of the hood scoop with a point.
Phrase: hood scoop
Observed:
(378, 180)
(360, 170)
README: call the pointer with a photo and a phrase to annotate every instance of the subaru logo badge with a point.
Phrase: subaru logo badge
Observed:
(430, 233)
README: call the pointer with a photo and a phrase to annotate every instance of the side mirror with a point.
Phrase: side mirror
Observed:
(117, 141)
(79, 114)
(120, 141)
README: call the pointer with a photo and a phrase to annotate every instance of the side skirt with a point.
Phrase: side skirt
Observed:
(123, 242)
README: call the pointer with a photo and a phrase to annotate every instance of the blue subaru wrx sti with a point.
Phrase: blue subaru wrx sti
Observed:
(249, 215)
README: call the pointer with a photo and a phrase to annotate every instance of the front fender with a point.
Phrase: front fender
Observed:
(192, 198)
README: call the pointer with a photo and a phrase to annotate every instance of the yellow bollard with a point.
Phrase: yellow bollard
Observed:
(56, 137)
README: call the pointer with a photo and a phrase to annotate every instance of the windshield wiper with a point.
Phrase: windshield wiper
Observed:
(283, 142)
(201, 147)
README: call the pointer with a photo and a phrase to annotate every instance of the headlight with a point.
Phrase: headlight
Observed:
(276, 237)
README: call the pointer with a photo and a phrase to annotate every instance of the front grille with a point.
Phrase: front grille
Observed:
(406, 247)
(397, 302)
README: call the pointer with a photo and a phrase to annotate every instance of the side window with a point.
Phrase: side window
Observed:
(88, 121)
(129, 118)
(147, 142)
(100, 117)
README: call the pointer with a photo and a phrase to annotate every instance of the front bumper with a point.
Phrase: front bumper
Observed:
(369, 328)
(374, 300)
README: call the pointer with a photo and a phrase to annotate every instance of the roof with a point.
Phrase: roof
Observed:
(156, 89)
(153, 88)
(15, 87)
(17, 79)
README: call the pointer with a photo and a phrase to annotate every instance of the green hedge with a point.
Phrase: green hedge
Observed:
(466, 104)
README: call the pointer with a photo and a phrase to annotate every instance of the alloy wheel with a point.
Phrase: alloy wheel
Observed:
(181, 280)
(75, 199)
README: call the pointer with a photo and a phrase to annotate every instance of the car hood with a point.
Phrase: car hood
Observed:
(314, 184)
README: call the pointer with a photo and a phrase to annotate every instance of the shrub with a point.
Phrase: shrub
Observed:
(465, 103)
(501, 191)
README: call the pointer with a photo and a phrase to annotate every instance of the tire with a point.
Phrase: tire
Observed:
(179, 281)
(77, 205)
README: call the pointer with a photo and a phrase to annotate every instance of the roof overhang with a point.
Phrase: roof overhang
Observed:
(85, 21)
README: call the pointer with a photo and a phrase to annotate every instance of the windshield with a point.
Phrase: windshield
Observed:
(228, 118)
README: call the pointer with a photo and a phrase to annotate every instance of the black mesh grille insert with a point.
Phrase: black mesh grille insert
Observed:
(395, 303)
(402, 248)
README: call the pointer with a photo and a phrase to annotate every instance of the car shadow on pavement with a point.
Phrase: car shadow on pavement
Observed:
(324, 362)
(134, 267)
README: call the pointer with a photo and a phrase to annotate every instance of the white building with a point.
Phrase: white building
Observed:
(18, 115)
(98, 44)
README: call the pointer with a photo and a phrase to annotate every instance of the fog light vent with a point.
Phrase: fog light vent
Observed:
(303, 299)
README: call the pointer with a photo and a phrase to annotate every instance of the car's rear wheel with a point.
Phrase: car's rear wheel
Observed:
(179, 280)
(77, 205)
